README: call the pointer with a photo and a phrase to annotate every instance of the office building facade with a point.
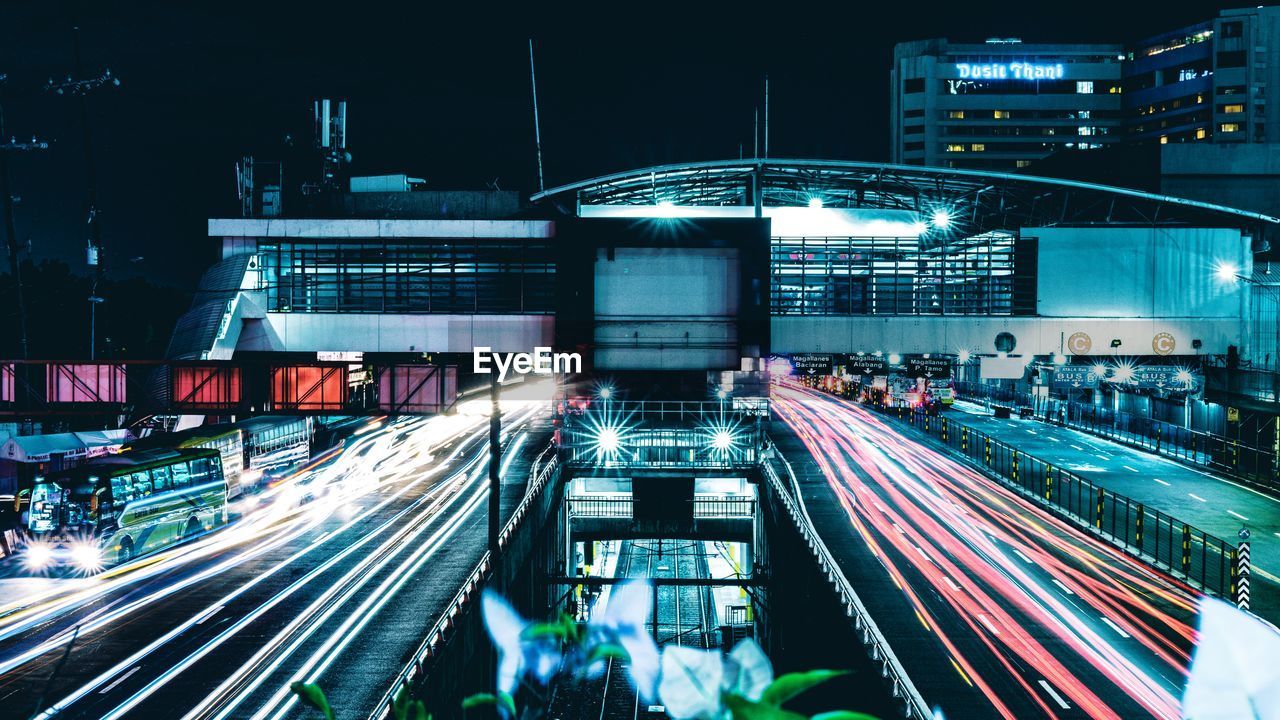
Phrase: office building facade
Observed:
(1003, 104)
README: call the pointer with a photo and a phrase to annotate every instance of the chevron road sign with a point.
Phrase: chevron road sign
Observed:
(1243, 569)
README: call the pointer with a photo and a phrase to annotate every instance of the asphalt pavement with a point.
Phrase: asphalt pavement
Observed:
(1218, 506)
(334, 579)
(996, 608)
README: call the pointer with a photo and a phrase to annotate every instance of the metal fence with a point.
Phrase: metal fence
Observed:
(621, 507)
(1221, 454)
(1164, 541)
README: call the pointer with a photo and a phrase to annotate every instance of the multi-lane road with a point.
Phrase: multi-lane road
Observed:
(347, 564)
(997, 609)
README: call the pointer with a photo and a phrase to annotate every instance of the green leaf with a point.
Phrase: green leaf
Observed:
(535, 631)
(503, 702)
(312, 695)
(607, 651)
(743, 709)
(400, 703)
(843, 715)
(418, 711)
(572, 632)
(792, 684)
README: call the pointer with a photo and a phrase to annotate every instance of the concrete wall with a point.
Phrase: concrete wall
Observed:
(310, 332)
(1245, 176)
(666, 308)
(1035, 336)
(1128, 272)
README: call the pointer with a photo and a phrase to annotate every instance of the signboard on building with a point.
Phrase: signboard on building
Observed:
(931, 368)
(1010, 71)
(1165, 377)
(812, 363)
(865, 365)
(1075, 376)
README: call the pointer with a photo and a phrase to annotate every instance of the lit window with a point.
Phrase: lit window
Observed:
(1201, 133)
(1115, 90)
(1229, 127)
(955, 148)
(956, 114)
(1164, 139)
(1084, 87)
(1085, 114)
(1237, 108)
(1085, 130)
(1199, 99)
(978, 147)
(1001, 114)
(1023, 163)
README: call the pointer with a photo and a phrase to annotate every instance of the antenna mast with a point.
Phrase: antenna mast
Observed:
(766, 116)
(537, 130)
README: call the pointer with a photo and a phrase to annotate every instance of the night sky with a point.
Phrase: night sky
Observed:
(444, 95)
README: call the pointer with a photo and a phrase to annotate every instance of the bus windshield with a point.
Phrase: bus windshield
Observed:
(46, 508)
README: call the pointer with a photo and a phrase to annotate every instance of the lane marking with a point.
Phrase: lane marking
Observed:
(119, 680)
(1197, 497)
(1053, 439)
(1025, 559)
(209, 614)
(1115, 627)
(1126, 467)
(1233, 512)
(1162, 482)
(1077, 447)
(1065, 589)
(964, 676)
(1054, 694)
(987, 623)
(898, 527)
(1100, 455)
(956, 587)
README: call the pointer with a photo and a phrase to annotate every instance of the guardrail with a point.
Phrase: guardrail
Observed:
(541, 472)
(1228, 456)
(621, 507)
(1183, 550)
(914, 705)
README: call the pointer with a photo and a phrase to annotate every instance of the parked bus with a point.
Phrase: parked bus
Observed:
(115, 508)
(272, 443)
(226, 438)
(249, 448)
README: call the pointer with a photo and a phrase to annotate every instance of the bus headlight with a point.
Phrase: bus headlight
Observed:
(86, 557)
(38, 556)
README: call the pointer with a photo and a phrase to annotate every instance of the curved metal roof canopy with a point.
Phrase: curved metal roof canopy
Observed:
(976, 201)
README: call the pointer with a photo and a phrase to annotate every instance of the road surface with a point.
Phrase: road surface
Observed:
(334, 579)
(997, 609)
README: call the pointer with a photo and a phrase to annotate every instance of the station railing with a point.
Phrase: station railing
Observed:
(1179, 548)
(621, 507)
(1223, 455)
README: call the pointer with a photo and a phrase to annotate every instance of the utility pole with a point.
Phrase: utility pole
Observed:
(495, 477)
(80, 86)
(8, 146)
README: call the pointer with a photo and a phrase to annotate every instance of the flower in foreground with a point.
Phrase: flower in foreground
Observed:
(1234, 674)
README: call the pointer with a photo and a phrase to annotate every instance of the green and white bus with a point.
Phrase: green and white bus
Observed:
(113, 509)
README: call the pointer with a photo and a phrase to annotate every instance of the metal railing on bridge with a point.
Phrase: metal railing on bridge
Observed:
(277, 383)
(723, 435)
(1182, 549)
(706, 506)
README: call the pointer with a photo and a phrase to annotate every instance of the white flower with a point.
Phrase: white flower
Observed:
(1234, 674)
(517, 654)
(693, 681)
(623, 622)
